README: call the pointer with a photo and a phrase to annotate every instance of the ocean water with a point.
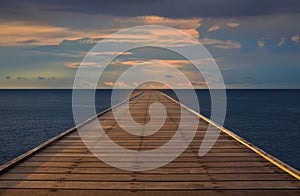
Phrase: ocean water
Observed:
(31, 117)
(267, 118)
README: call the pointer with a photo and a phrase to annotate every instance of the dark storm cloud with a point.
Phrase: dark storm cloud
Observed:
(166, 8)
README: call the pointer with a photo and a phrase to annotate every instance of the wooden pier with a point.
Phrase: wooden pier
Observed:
(64, 165)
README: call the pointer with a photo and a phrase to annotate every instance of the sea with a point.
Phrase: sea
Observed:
(269, 119)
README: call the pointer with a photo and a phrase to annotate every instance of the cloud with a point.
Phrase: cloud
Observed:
(165, 38)
(232, 24)
(20, 33)
(281, 42)
(81, 41)
(116, 84)
(168, 76)
(41, 78)
(158, 62)
(127, 62)
(181, 23)
(199, 83)
(31, 41)
(248, 32)
(109, 53)
(45, 78)
(260, 43)
(228, 44)
(295, 38)
(109, 84)
(24, 33)
(214, 28)
(87, 85)
(174, 62)
(188, 25)
(83, 65)
(217, 27)
(73, 65)
(195, 84)
(151, 85)
(21, 78)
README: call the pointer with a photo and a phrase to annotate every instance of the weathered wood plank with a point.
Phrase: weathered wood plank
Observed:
(145, 177)
(65, 166)
(133, 192)
(151, 185)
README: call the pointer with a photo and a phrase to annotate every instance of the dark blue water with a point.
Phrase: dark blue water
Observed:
(31, 117)
(267, 118)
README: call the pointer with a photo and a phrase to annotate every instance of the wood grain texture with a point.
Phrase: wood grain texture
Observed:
(65, 166)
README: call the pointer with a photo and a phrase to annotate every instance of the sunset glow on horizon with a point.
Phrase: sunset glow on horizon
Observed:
(43, 43)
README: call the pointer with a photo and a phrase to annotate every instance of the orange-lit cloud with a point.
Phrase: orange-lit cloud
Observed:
(181, 23)
(83, 64)
(214, 28)
(127, 62)
(174, 62)
(228, 44)
(116, 84)
(189, 25)
(232, 24)
(163, 38)
(295, 38)
(108, 53)
(260, 43)
(20, 33)
(157, 62)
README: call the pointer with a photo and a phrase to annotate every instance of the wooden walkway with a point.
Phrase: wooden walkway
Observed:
(65, 166)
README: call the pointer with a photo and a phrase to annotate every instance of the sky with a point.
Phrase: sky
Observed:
(255, 43)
